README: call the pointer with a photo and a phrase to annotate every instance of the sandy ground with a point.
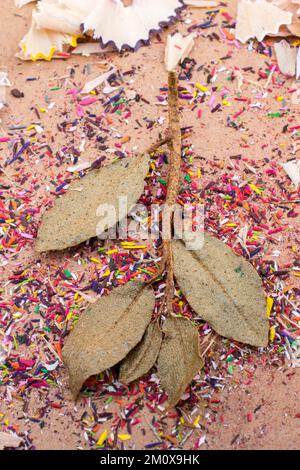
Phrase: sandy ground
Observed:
(259, 405)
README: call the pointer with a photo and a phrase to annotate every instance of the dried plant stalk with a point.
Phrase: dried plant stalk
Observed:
(175, 140)
(156, 145)
(173, 184)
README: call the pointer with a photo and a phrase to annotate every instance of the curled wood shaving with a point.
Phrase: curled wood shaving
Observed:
(177, 49)
(286, 58)
(9, 440)
(258, 19)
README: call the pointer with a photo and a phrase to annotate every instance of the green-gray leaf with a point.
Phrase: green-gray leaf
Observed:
(107, 331)
(223, 289)
(73, 219)
(179, 358)
(142, 358)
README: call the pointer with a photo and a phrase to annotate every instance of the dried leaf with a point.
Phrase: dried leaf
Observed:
(142, 358)
(9, 440)
(286, 58)
(258, 19)
(106, 332)
(224, 289)
(73, 219)
(179, 358)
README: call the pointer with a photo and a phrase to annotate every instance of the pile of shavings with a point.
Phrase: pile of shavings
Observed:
(280, 18)
(261, 18)
(116, 24)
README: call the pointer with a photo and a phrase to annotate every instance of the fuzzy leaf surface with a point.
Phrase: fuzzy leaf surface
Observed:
(107, 331)
(179, 358)
(143, 357)
(73, 219)
(224, 289)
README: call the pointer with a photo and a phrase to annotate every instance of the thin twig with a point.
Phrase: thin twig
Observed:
(173, 185)
(156, 146)
(174, 143)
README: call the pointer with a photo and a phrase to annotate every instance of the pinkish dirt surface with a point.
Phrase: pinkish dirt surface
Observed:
(255, 403)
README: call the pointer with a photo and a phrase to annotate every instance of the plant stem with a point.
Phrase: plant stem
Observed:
(156, 146)
(174, 142)
(173, 186)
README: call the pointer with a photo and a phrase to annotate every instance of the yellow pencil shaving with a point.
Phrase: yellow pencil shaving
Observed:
(69, 316)
(272, 334)
(201, 87)
(136, 247)
(270, 302)
(255, 189)
(195, 423)
(102, 438)
(111, 252)
(124, 437)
